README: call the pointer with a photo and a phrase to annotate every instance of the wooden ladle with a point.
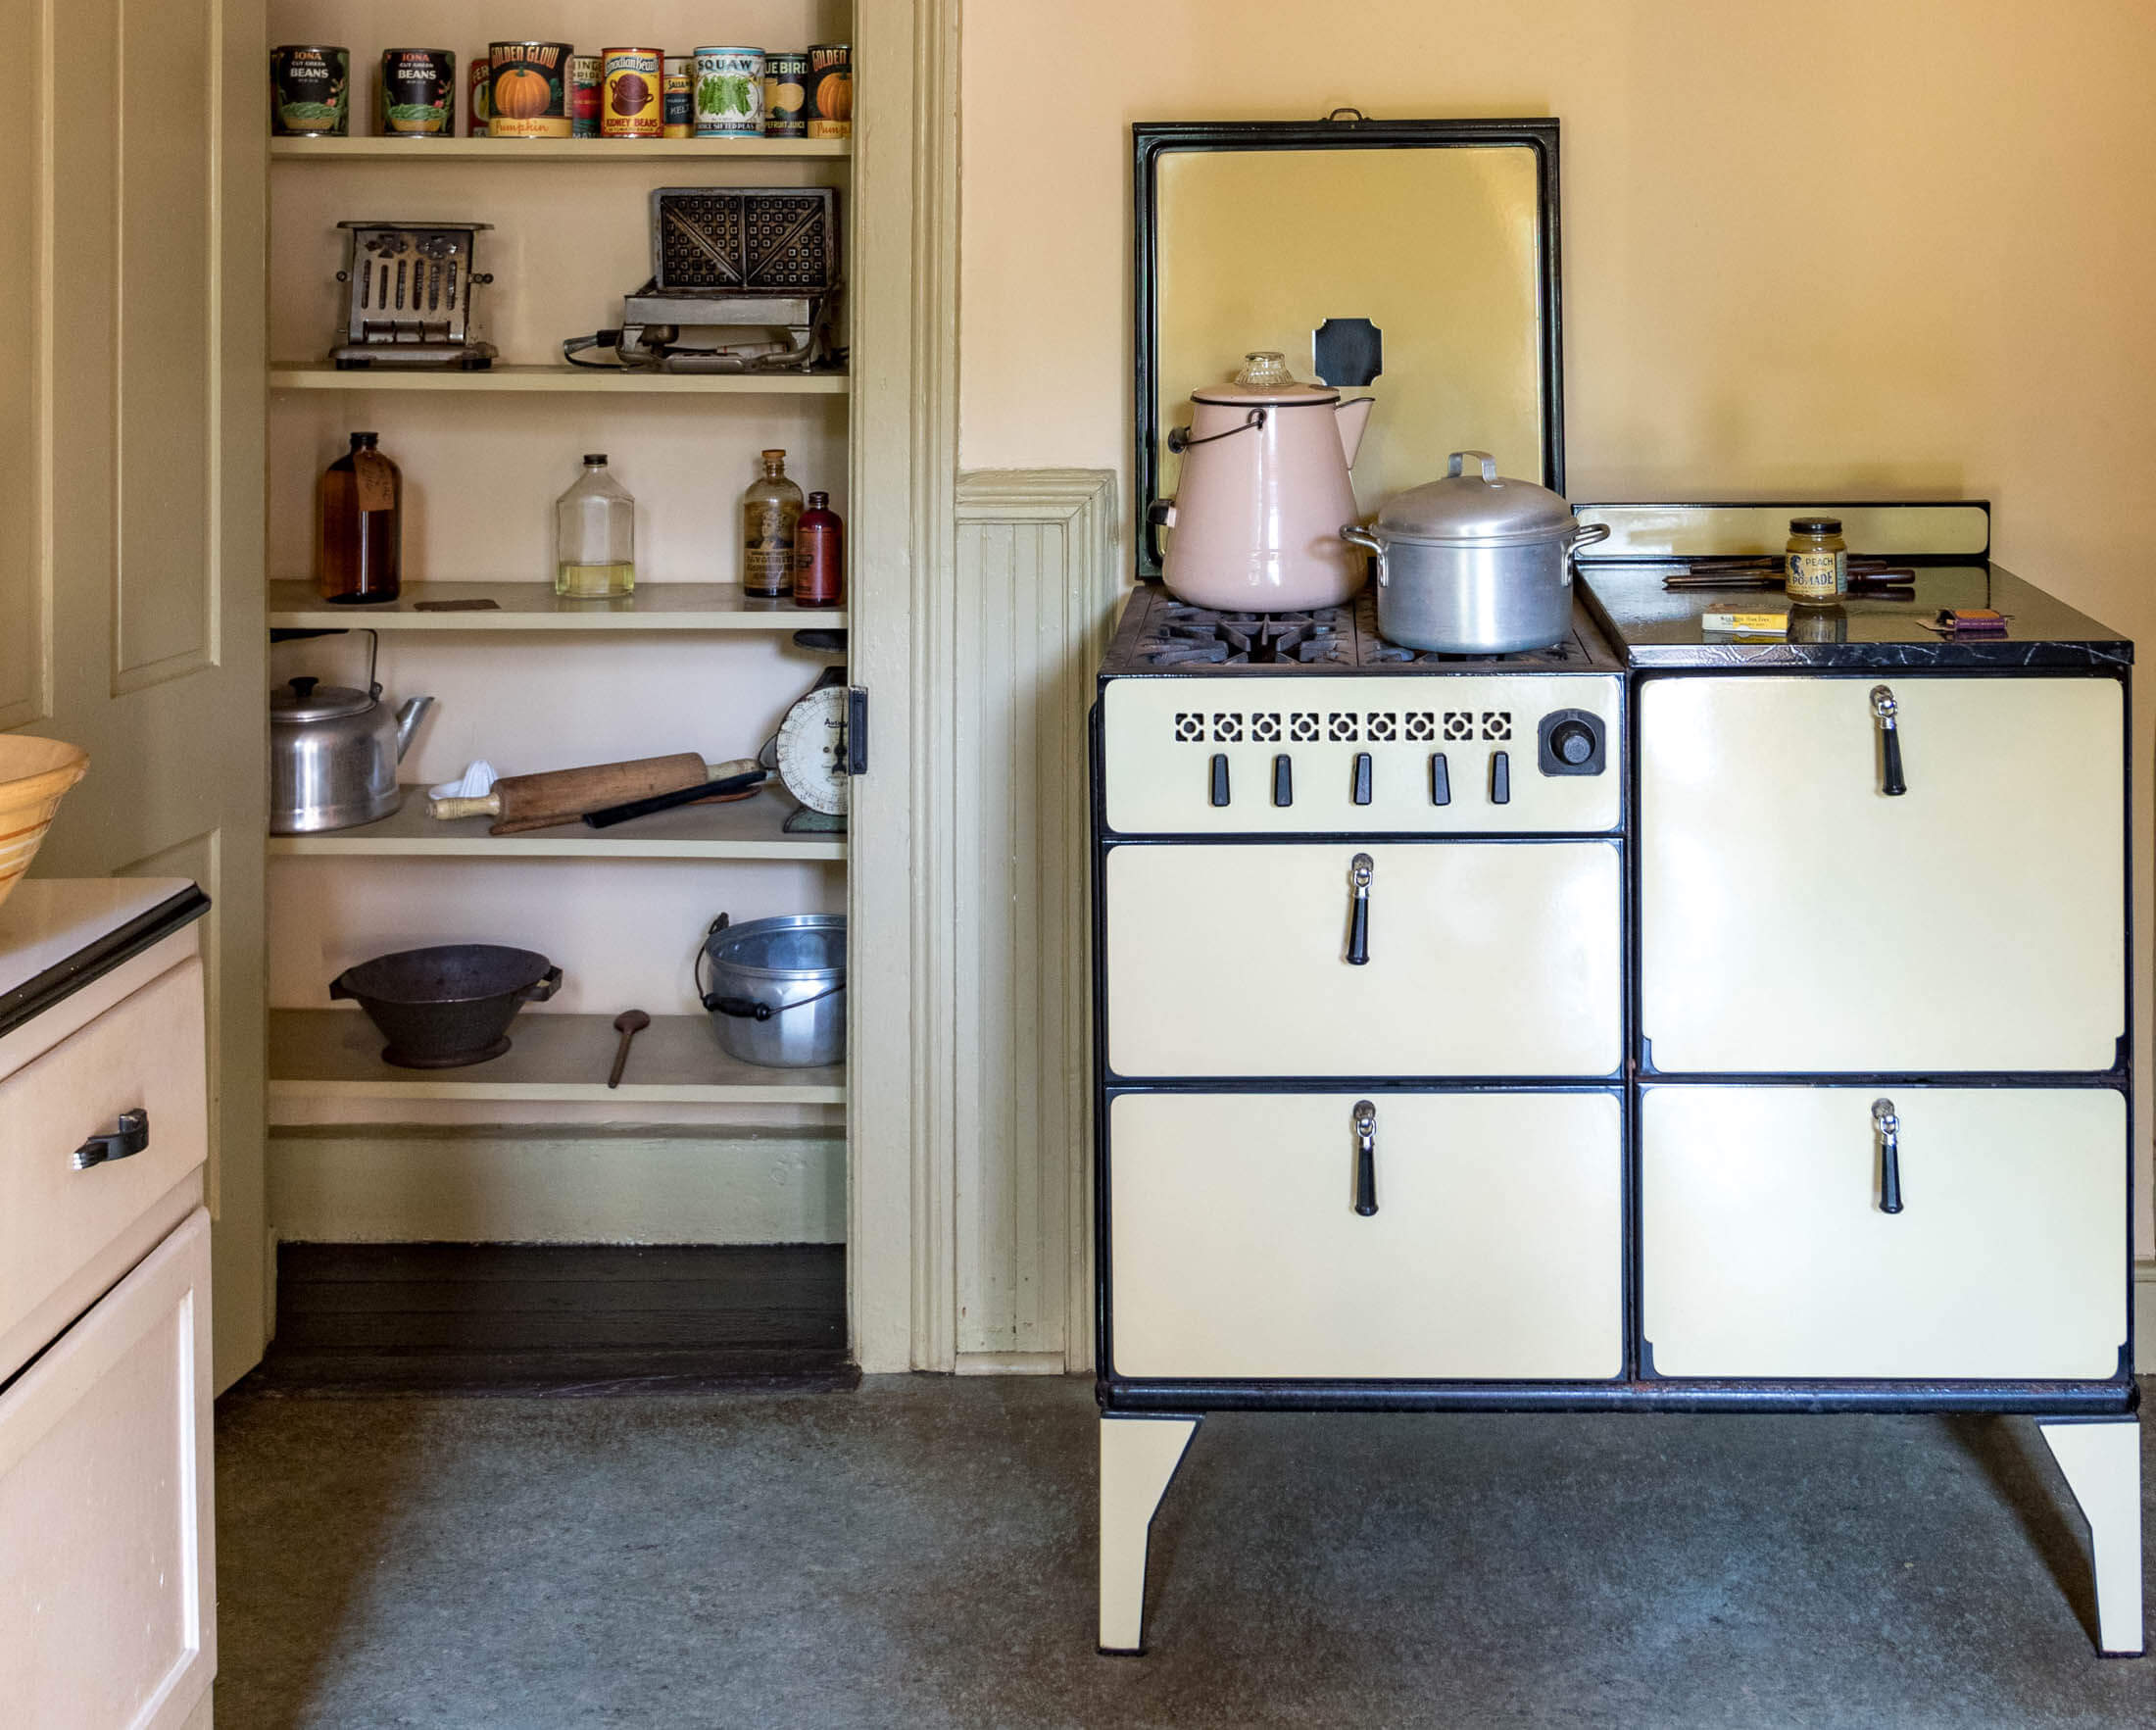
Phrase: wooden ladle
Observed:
(628, 1023)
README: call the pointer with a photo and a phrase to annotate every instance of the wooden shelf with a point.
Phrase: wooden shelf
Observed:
(748, 829)
(318, 375)
(535, 606)
(609, 150)
(336, 1054)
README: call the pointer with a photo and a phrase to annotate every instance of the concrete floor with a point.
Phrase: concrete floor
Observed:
(919, 1553)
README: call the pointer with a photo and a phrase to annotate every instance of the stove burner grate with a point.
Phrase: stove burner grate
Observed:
(1181, 635)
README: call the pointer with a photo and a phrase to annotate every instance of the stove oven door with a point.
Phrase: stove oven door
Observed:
(1797, 917)
(1478, 959)
(1459, 1236)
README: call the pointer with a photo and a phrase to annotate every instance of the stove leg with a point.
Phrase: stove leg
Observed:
(1139, 1456)
(2102, 1464)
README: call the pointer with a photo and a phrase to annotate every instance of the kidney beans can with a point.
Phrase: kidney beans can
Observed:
(310, 93)
(631, 107)
(475, 95)
(785, 94)
(419, 93)
(680, 96)
(729, 92)
(831, 90)
(584, 95)
(527, 91)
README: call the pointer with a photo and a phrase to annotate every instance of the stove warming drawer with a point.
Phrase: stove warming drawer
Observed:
(1484, 958)
(1492, 1254)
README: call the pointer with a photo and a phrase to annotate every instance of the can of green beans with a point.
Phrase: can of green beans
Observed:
(419, 93)
(310, 93)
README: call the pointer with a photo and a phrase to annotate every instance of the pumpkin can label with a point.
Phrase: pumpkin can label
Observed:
(786, 95)
(309, 90)
(629, 108)
(529, 90)
(419, 93)
(729, 92)
(831, 90)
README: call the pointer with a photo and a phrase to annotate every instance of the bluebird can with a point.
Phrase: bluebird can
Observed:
(786, 94)
(729, 92)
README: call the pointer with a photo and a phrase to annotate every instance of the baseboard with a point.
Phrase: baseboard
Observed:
(1009, 1364)
(411, 1184)
(2145, 1318)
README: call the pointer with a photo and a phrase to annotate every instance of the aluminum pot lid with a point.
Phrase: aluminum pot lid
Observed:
(1264, 378)
(1473, 503)
(307, 699)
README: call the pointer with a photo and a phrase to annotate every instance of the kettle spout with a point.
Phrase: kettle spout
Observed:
(408, 723)
(1351, 416)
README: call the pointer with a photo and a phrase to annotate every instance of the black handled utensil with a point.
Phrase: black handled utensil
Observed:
(635, 808)
(628, 1023)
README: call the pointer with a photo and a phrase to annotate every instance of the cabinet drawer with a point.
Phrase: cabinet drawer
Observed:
(1485, 959)
(145, 1052)
(1794, 919)
(1765, 1250)
(1236, 1250)
(107, 1567)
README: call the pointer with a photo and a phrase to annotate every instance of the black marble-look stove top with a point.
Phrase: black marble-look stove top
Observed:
(1661, 628)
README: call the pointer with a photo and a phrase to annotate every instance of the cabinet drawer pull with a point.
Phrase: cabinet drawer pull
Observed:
(1360, 870)
(130, 1138)
(1884, 711)
(1888, 1122)
(1367, 1158)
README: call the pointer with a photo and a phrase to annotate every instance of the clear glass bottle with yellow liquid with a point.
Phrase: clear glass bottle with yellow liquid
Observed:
(595, 536)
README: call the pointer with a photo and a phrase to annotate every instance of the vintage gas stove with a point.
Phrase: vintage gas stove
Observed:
(1674, 1019)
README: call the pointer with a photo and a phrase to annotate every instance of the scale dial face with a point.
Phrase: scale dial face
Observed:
(811, 750)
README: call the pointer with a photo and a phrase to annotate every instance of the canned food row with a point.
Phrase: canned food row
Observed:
(549, 90)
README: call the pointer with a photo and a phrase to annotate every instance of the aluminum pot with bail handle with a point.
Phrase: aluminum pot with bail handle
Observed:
(777, 989)
(1475, 565)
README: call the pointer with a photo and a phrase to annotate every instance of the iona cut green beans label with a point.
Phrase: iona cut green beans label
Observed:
(419, 93)
(310, 93)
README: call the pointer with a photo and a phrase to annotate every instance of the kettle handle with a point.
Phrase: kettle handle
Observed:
(1456, 465)
(1355, 535)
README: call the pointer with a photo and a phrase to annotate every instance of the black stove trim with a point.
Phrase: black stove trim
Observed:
(1150, 140)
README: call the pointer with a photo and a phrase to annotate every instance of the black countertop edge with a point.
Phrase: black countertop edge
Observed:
(35, 996)
(1967, 652)
(2036, 1399)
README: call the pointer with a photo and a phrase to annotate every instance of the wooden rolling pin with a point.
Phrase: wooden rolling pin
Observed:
(564, 794)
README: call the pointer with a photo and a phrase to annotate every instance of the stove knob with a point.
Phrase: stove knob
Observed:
(1572, 742)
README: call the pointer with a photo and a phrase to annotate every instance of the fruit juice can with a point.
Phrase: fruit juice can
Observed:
(786, 94)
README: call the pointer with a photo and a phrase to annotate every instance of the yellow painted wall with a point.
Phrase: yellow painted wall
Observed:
(1863, 246)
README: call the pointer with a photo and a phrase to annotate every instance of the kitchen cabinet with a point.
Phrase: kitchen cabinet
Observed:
(1794, 918)
(107, 1543)
(1491, 1251)
(1766, 1251)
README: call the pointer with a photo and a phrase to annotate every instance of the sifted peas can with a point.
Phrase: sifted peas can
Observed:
(630, 105)
(729, 92)
(529, 90)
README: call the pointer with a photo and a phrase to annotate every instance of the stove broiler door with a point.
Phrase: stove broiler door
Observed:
(1492, 1250)
(1480, 959)
(1796, 917)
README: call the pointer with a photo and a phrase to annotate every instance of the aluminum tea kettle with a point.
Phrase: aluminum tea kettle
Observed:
(1264, 489)
(333, 754)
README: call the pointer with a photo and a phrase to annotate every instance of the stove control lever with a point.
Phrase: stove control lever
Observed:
(1501, 777)
(1360, 870)
(1284, 779)
(1361, 788)
(1367, 1158)
(1220, 777)
(1888, 1122)
(1885, 711)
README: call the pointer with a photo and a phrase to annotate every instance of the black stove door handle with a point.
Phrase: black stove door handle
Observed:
(1886, 1122)
(1885, 711)
(1367, 1158)
(1360, 870)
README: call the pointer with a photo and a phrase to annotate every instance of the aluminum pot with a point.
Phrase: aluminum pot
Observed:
(1475, 565)
(777, 992)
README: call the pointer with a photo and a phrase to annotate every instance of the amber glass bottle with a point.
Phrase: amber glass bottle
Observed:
(769, 509)
(820, 555)
(359, 544)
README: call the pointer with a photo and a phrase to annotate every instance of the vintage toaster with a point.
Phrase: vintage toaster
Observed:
(410, 289)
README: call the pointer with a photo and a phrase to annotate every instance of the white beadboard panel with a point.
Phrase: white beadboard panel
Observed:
(408, 1184)
(1036, 588)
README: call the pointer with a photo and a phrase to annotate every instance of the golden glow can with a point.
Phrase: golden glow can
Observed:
(629, 107)
(831, 90)
(680, 96)
(584, 94)
(529, 90)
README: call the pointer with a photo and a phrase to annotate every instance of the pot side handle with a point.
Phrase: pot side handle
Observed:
(1355, 535)
(1585, 536)
(543, 987)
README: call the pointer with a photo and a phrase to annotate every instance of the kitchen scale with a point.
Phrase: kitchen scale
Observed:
(819, 747)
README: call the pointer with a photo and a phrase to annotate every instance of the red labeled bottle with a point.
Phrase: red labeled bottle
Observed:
(360, 549)
(820, 555)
